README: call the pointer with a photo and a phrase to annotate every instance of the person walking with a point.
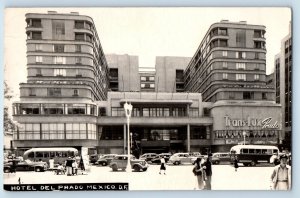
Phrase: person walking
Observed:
(162, 165)
(69, 163)
(281, 175)
(51, 164)
(199, 173)
(208, 171)
(236, 165)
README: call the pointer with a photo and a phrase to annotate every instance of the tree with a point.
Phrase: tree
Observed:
(8, 122)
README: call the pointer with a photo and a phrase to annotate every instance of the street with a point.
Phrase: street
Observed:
(176, 178)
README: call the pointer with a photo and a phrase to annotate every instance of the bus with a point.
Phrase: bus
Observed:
(59, 154)
(250, 155)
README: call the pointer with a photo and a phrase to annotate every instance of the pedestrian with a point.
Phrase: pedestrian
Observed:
(162, 165)
(281, 176)
(199, 173)
(275, 159)
(74, 167)
(236, 165)
(51, 164)
(206, 165)
(69, 163)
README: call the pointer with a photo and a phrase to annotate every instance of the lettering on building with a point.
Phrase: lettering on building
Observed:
(266, 123)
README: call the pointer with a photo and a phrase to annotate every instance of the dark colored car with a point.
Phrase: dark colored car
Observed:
(120, 162)
(156, 160)
(26, 165)
(105, 159)
(93, 158)
(148, 156)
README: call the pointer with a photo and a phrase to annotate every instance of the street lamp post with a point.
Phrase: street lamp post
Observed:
(128, 109)
(244, 134)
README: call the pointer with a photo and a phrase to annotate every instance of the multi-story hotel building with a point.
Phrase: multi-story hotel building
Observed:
(235, 110)
(230, 64)
(283, 79)
(67, 73)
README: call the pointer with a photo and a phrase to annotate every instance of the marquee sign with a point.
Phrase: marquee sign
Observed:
(266, 123)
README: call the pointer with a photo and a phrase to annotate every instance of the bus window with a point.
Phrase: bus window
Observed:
(258, 151)
(251, 151)
(52, 154)
(31, 155)
(70, 154)
(64, 154)
(269, 151)
(264, 151)
(58, 154)
(39, 155)
(244, 151)
(46, 154)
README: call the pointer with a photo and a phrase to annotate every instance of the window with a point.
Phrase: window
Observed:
(143, 78)
(264, 96)
(142, 85)
(58, 48)
(38, 72)
(256, 55)
(248, 95)
(54, 91)
(79, 24)
(240, 66)
(151, 85)
(77, 48)
(79, 37)
(223, 31)
(36, 23)
(75, 92)
(256, 77)
(224, 53)
(241, 55)
(256, 67)
(241, 77)
(225, 65)
(225, 76)
(36, 35)
(59, 72)
(240, 38)
(58, 29)
(151, 78)
(38, 47)
(38, 59)
(231, 95)
(59, 60)
(78, 60)
(32, 92)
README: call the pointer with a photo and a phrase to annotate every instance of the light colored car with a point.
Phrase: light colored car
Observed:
(120, 162)
(182, 158)
(148, 156)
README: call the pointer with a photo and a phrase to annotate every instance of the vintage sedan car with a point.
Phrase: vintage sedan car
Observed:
(120, 162)
(105, 159)
(26, 165)
(148, 156)
(218, 158)
(156, 160)
(182, 158)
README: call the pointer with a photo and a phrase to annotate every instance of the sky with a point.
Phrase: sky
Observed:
(145, 32)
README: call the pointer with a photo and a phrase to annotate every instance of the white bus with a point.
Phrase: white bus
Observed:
(250, 155)
(59, 154)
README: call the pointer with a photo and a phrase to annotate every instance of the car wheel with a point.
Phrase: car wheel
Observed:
(136, 168)
(104, 163)
(176, 163)
(217, 162)
(114, 167)
(253, 163)
(6, 170)
(38, 169)
(144, 169)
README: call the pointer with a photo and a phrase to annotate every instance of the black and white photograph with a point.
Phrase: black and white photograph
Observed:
(147, 98)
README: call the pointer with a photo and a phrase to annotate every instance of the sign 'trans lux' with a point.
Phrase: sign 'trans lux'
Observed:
(266, 123)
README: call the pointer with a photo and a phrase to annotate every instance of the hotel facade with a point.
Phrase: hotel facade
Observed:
(74, 94)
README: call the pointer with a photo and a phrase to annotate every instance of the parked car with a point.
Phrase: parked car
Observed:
(182, 158)
(218, 158)
(156, 160)
(26, 165)
(105, 159)
(120, 162)
(148, 156)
